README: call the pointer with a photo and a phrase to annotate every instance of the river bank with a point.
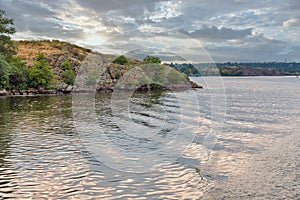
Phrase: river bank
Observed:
(69, 89)
(34, 92)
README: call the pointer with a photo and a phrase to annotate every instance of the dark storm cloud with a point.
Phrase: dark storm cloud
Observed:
(252, 49)
(133, 8)
(35, 16)
(216, 34)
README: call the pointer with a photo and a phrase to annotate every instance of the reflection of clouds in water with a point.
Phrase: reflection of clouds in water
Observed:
(45, 158)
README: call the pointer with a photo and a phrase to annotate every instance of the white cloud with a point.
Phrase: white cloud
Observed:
(165, 10)
(290, 22)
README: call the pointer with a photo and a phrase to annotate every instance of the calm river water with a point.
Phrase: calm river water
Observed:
(46, 147)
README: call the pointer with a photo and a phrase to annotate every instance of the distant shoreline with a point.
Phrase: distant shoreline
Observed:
(248, 76)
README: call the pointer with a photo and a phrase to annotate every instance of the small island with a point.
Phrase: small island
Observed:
(50, 67)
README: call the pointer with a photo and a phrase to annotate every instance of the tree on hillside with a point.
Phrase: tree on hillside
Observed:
(40, 73)
(7, 48)
(4, 73)
(13, 72)
(19, 74)
(151, 59)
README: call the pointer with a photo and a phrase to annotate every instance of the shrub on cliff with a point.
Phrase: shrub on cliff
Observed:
(66, 66)
(121, 60)
(151, 59)
(68, 75)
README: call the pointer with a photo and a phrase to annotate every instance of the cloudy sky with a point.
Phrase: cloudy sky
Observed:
(230, 30)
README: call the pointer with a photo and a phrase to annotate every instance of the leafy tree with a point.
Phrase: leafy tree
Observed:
(19, 75)
(40, 73)
(7, 48)
(151, 59)
(4, 73)
(122, 60)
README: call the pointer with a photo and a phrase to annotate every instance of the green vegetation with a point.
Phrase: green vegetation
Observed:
(13, 72)
(121, 60)
(151, 59)
(265, 68)
(68, 75)
(190, 70)
(4, 73)
(66, 65)
(7, 48)
(40, 73)
(19, 75)
(239, 69)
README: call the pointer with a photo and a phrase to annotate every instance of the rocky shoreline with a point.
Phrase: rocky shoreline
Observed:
(34, 92)
(69, 89)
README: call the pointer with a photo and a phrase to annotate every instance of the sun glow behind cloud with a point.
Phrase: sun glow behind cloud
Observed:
(94, 39)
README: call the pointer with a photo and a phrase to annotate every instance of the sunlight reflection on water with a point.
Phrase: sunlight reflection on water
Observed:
(255, 157)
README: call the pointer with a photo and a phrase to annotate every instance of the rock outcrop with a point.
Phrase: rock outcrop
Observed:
(106, 74)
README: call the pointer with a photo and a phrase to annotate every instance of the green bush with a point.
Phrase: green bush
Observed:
(122, 60)
(151, 59)
(68, 77)
(19, 75)
(66, 65)
(4, 73)
(40, 73)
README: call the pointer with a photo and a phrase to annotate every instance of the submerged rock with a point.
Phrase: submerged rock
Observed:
(195, 85)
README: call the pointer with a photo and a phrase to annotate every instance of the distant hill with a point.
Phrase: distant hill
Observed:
(284, 68)
(239, 69)
(250, 71)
